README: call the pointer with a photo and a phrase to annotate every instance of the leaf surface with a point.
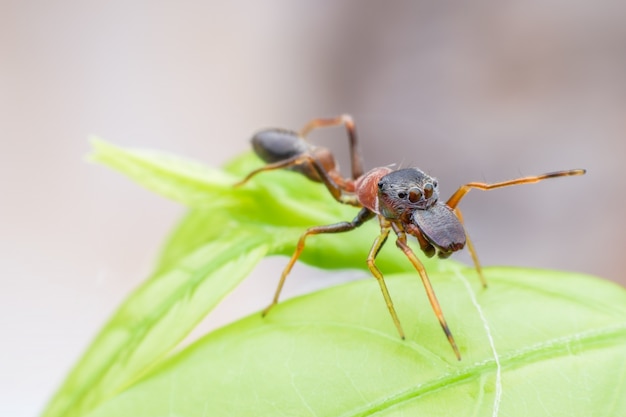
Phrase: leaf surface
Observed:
(560, 340)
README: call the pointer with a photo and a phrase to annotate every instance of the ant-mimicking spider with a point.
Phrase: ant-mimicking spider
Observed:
(404, 200)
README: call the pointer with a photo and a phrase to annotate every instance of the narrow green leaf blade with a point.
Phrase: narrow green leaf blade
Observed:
(155, 318)
(180, 179)
(560, 341)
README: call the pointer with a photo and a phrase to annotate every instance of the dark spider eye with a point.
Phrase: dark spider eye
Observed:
(380, 185)
(415, 195)
(428, 190)
(435, 183)
(402, 195)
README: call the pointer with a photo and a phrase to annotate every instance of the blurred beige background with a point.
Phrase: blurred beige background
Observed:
(486, 92)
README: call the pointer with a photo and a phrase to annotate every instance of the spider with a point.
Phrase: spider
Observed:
(405, 201)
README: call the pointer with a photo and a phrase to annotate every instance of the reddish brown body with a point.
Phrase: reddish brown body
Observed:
(366, 188)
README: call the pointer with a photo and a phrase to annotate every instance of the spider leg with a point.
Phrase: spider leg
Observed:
(472, 250)
(363, 216)
(371, 264)
(348, 122)
(401, 243)
(338, 192)
(464, 189)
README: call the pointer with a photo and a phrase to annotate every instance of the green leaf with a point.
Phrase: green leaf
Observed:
(155, 318)
(559, 338)
(182, 180)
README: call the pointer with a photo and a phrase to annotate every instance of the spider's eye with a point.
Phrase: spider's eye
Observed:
(415, 195)
(435, 183)
(380, 185)
(428, 190)
(402, 195)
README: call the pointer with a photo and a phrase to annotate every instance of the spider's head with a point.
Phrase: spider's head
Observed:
(406, 190)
